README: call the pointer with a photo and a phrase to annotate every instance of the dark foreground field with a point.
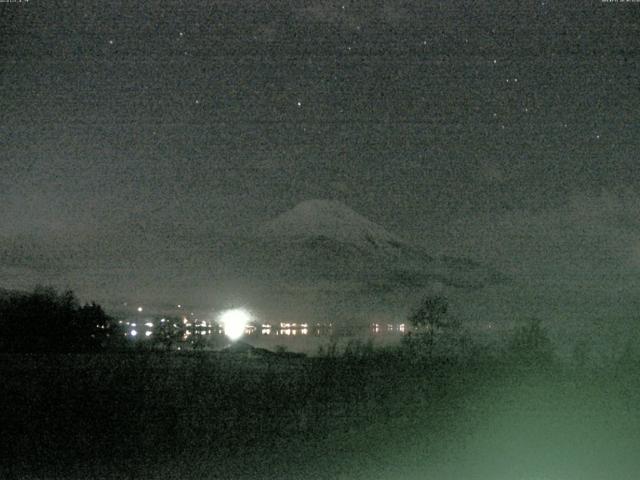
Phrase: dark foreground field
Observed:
(153, 415)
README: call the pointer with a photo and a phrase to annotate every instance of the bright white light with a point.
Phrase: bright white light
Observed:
(234, 322)
(133, 333)
(139, 309)
(147, 333)
(148, 324)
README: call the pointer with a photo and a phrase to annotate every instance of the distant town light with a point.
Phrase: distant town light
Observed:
(133, 333)
(139, 309)
(147, 333)
(234, 322)
(148, 324)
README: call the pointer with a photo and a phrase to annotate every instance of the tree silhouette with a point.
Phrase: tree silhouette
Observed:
(428, 319)
(169, 332)
(45, 321)
(530, 344)
(430, 314)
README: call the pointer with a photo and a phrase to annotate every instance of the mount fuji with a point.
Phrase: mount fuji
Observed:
(332, 220)
(324, 243)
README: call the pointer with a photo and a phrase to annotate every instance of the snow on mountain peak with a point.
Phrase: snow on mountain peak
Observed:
(330, 219)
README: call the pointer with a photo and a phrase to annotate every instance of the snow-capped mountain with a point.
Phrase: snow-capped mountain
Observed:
(322, 240)
(322, 260)
(331, 220)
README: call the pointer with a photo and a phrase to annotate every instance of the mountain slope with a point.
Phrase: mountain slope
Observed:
(320, 242)
(332, 220)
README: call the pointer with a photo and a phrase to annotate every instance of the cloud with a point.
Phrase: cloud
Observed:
(588, 233)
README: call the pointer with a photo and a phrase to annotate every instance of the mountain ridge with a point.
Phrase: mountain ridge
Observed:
(326, 239)
(322, 216)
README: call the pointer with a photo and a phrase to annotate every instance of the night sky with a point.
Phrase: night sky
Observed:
(504, 131)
